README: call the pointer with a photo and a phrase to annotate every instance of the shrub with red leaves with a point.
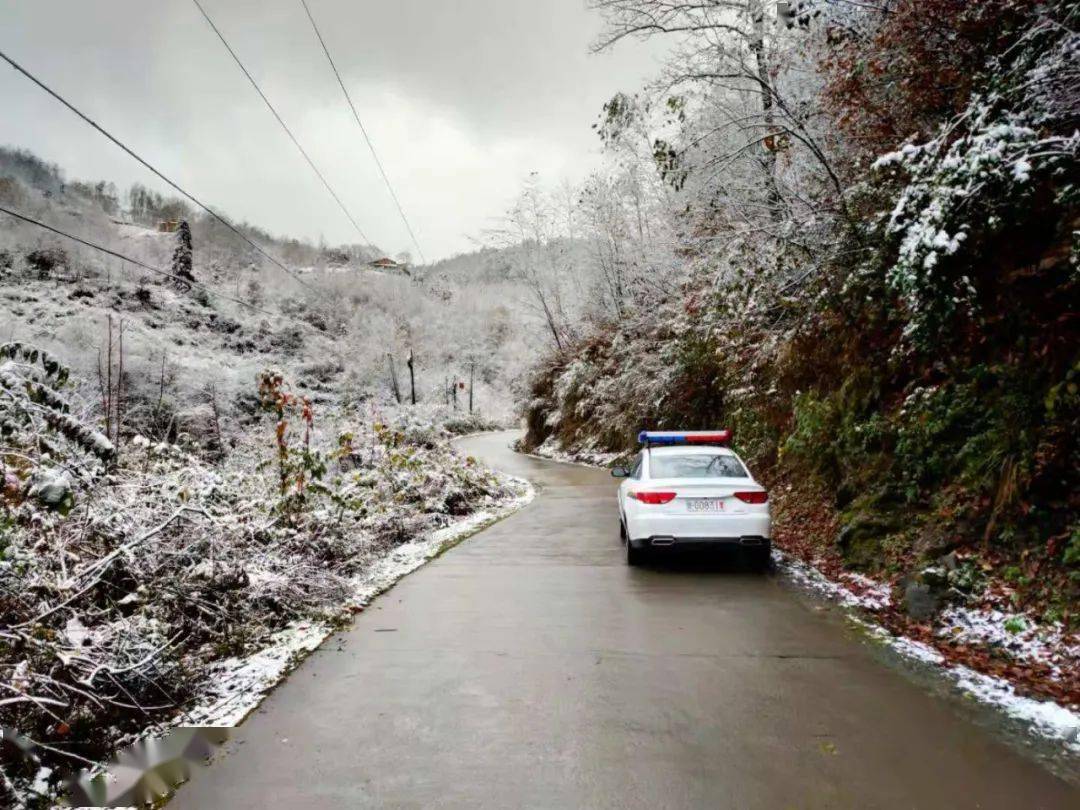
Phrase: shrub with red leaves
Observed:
(900, 74)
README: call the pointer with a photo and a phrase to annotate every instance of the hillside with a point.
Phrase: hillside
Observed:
(878, 295)
(331, 323)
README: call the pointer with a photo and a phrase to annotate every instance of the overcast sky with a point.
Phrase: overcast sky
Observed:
(462, 98)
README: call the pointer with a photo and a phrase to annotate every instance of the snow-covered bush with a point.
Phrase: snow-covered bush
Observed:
(967, 184)
(44, 448)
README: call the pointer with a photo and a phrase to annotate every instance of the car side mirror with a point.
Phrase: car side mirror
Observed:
(620, 472)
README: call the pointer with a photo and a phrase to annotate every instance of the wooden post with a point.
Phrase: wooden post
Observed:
(472, 374)
(211, 393)
(393, 378)
(412, 379)
(108, 383)
(160, 402)
(453, 391)
(120, 389)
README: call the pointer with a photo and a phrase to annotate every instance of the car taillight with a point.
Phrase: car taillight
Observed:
(752, 497)
(652, 497)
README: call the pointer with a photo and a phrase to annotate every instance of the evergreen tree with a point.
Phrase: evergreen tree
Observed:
(181, 260)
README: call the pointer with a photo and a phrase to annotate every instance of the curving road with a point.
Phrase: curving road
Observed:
(531, 668)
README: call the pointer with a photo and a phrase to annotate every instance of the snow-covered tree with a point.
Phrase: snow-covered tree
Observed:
(182, 257)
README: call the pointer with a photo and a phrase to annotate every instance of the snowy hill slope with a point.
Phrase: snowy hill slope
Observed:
(332, 324)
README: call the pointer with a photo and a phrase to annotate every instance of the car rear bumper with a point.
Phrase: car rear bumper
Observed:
(709, 529)
(701, 543)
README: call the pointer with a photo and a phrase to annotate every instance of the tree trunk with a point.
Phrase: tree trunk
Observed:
(765, 88)
(550, 317)
(393, 378)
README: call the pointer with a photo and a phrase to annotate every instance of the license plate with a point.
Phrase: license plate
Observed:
(705, 505)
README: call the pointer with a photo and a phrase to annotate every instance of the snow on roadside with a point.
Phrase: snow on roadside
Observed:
(1014, 633)
(860, 591)
(238, 685)
(407, 557)
(585, 456)
(1044, 718)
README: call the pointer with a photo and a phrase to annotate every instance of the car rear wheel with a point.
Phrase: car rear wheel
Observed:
(759, 558)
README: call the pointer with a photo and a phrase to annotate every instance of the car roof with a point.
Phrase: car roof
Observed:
(690, 450)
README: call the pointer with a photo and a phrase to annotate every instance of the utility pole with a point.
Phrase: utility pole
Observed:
(412, 379)
(108, 381)
(120, 390)
(472, 373)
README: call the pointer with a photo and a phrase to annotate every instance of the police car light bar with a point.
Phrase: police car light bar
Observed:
(660, 437)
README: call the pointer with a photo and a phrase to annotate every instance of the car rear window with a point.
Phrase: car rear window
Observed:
(697, 465)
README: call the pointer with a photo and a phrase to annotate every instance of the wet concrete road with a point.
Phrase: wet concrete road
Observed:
(530, 668)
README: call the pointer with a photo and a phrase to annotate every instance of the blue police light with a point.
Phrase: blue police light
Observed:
(668, 437)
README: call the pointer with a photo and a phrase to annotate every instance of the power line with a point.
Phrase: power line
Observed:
(136, 262)
(360, 124)
(155, 171)
(284, 126)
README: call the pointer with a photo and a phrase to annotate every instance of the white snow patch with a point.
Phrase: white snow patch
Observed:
(1018, 635)
(583, 457)
(1044, 717)
(1021, 170)
(41, 782)
(866, 593)
(238, 685)
(908, 647)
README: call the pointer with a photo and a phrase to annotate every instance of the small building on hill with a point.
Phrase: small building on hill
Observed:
(388, 265)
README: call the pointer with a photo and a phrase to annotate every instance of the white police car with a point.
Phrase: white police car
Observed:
(688, 490)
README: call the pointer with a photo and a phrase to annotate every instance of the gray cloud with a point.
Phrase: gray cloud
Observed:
(462, 99)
